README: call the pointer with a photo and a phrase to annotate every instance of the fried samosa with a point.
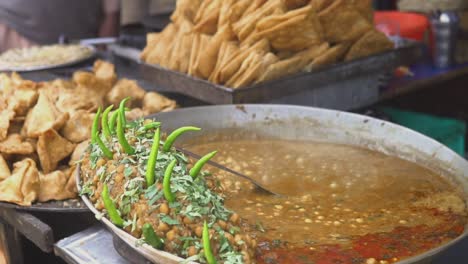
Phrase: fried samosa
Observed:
(23, 185)
(372, 42)
(4, 169)
(52, 148)
(54, 186)
(186, 9)
(6, 115)
(330, 56)
(78, 127)
(125, 88)
(207, 60)
(154, 103)
(342, 22)
(15, 144)
(293, 31)
(43, 116)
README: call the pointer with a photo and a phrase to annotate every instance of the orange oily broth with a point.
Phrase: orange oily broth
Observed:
(334, 191)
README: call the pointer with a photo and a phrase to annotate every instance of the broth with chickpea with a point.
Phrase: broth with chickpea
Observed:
(341, 204)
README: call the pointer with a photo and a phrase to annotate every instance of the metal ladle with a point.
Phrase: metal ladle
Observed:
(258, 185)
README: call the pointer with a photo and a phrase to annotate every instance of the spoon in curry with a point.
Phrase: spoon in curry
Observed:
(259, 186)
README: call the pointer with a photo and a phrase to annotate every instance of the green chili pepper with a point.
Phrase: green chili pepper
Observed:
(207, 246)
(121, 135)
(105, 122)
(152, 158)
(151, 125)
(110, 207)
(122, 109)
(107, 152)
(113, 121)
(175, 134)
(150, 237)
(95, 127)
(95, 138)
(195, 170)
(168, 194)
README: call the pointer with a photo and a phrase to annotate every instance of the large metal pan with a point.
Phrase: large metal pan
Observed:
(306, 123)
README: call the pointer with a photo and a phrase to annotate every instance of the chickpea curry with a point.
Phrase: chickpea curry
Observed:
(341, 204)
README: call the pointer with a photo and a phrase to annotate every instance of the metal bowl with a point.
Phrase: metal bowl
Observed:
(307, 123)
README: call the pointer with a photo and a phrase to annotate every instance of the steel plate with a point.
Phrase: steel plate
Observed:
(53, 66)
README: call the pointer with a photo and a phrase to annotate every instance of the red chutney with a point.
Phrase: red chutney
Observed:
(402, 242)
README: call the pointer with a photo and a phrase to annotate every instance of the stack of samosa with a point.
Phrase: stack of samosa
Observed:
(238, 43)
(44, 128)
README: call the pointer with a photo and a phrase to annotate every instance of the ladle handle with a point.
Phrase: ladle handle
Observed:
(219, 166)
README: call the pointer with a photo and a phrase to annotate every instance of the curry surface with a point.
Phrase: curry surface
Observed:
(334, 194)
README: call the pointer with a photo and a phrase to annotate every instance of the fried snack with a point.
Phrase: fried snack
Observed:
(292, 65)
(154, 54)
(78, 127)
(224, 32)
(54, 186)
(14, 144)
(52, 148)
(251, 62)
(6, 115)
(365, 8)
(78, 152)
(207, 17)
(181, 51)
(151, 41)
(125, 88)
(105, 71)
(252, 73)
(262, 46)
(186, 9)
(254, 5)
(207, 60)
(43, 116)
(226, 53)
(73, 100)
(319, 5)
(293, 31)
(154, 103)
(330, 56)
(239, 9)
(370, 43)
(4, 169)
(172, 59)
(46, 134)
(225, 13)
(22, 98)
(135, 113)
(246, 25)
(349, 25)
(88, 83)
(22, 186)
(293, 4)
(184, 52)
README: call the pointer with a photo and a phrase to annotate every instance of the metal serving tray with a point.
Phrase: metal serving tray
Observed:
(296, 89)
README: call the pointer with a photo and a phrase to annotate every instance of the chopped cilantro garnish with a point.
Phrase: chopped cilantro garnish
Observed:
(87, 189)
(168, 220)
(128, 171)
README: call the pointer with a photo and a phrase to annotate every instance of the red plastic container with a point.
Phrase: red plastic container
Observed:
(407, 25)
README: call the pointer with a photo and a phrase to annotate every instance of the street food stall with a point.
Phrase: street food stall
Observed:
(229, 137)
